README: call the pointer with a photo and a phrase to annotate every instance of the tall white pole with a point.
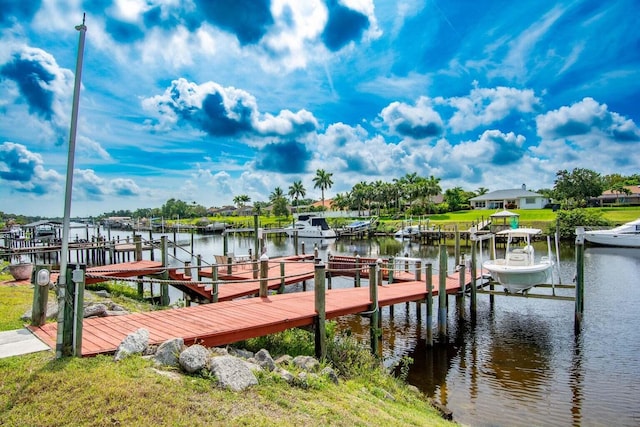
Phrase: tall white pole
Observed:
(62, 280)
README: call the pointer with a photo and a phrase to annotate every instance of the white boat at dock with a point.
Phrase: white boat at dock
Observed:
(626, 236)
(311, 226)
(519, 270)
(407, 232)
(361, 225)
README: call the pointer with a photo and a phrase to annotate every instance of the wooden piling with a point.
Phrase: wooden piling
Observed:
(442, 294)
(282, 279)
(320, 307)
(579, 306)
(460, 295)
(473, 303)
(374, 332)
(164, 286)
(429, 283)
(264, 273)
(40, 298)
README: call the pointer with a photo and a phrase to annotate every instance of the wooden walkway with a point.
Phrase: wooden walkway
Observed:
(231, 321)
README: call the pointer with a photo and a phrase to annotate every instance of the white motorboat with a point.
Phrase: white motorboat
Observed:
(519, 271)
(311, 226)
(626, 236)
(407, 232)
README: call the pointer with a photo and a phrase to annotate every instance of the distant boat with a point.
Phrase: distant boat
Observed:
(626, 236)
(215, 227)
(361, 225)
(407, 232)
(519, 271)
(45, 230)
(311, 226)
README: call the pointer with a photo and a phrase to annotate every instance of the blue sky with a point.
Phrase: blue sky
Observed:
(205, 100)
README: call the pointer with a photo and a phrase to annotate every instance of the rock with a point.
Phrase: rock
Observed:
(52, 312)
(169, 351)
(95, 310)
(194, 358)
(171, 375)
(112, 306)
(307, 363)
(133, 343)
(245, 354)
(115, 313)
(286, 375)
(232, 373)
(103, 293)
(330, 373)
(284, 360)
(265, 360)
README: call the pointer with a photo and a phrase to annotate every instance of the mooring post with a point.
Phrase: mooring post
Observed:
(460, 295)
(225, 243)
(374, 332)
(264, 273)
(164, 286)
(320, 305)
(457, 243)
(78, 280)
(356, 280)
(579, 309)
(474, 274)
(214, 280)
(198, 267)
(40, 281)
(282, 278)
(137, 240)
(429, 282)
(256, 240)
(187, 269)
(390, 267)
(442, 294)
(151, 243)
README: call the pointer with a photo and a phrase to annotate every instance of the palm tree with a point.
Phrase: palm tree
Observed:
(297, 190)
(322, 181)
(241, 199)
(276, 194)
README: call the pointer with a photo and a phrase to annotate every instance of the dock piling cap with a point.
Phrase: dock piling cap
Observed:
(264, 257)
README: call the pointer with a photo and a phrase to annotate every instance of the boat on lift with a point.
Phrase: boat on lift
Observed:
(519, 270)
(311, 226)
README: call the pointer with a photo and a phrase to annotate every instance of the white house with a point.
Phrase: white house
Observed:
(519, 198)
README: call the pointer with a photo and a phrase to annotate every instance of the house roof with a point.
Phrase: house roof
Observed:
(515, 193)
(634, 189)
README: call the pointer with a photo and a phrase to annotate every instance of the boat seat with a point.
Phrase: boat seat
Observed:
(517, 258)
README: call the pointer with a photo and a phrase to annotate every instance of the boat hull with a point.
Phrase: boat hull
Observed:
(313, 234)
(617, 240)
(519, 278)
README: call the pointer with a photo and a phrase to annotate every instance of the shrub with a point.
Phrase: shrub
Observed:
(568, 220)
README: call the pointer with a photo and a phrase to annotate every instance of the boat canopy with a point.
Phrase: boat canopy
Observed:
(520, 232)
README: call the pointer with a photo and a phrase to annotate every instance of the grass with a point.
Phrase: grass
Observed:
(38, 390)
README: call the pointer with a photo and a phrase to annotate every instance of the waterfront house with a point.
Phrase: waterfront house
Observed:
(518, 198)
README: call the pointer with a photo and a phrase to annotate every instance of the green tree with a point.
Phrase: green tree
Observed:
(280, 208)
(323, 181)
(296, 190)
(456, 197)
(576, 187)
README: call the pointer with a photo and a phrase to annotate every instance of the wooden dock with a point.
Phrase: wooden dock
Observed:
(231, 321)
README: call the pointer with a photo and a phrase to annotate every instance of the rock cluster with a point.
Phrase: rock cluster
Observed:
(233, 368)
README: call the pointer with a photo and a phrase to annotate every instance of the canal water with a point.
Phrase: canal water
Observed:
(520, 363)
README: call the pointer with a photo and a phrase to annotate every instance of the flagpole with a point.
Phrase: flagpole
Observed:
(62, 279)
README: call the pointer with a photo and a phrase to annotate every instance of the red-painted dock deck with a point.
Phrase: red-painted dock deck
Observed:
(230, 321)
